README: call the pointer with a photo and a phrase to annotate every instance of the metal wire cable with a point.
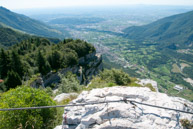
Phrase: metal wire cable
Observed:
(69, 105)
(161, 107)
(94, 103)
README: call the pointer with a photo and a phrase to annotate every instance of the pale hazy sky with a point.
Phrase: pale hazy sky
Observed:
(20, 4)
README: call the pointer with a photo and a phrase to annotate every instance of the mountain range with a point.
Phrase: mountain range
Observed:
(25, 24)
(176, 30)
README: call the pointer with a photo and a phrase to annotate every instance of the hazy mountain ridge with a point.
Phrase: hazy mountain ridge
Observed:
(176, 29)
(26, 24)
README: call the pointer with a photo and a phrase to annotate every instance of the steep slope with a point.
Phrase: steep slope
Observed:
(163, 51)
(26, 24)
(9, 37)
(126, 115)
(174, 29)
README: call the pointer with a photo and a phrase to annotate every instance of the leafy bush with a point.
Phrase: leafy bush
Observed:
(149, 85)
(2, 87)
(115, 76)
(69, 83)
(26, 97)
(49, 91)
(186, 124)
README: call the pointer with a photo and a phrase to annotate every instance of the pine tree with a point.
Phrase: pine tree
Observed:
(16, 64)
(43, 65)
(5, 64)
(55, 60)
(12, 79)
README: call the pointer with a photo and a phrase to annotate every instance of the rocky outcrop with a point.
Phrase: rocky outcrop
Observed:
(144, 82)
(121, 115)
(87, 67)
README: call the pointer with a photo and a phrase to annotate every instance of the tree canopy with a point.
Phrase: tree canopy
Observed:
(39, 55)
(26, 97)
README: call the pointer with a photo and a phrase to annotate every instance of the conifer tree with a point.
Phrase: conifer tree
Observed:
(43, 65)
(12, 79)
(5, 63)
(16, 64)
(55, 60)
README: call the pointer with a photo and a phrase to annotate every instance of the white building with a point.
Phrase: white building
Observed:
(177, 87)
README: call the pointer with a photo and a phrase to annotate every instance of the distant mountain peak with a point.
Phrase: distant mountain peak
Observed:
(3, 8)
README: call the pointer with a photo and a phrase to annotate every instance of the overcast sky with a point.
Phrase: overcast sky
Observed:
(20, 4)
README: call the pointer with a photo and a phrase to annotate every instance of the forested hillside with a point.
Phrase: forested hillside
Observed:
(39, 55)
(10, 37)
(26, 24)
(174, 31)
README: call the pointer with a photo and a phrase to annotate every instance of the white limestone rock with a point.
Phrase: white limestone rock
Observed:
(58, 127)
(144, 82)
(121, 115)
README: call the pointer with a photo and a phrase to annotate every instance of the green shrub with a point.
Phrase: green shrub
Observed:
(2, 87)
(69, 83)
(149, 85)
(26, 119)
(186, 124)
(49, 91)
(115, 76)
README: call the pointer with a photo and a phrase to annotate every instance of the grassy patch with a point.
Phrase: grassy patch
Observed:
(175, 68)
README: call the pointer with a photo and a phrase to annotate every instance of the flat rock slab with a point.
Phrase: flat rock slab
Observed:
(121, 115)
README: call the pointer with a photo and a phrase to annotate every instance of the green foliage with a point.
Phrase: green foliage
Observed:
(69, 83)
(26, 97)
(188, 71)
(43, 65)
(10, 37)
(172, 32)
(186, 124)
(16, 64)
(49, 91)
(150, 87)
(5, 63)
(97, 82)
(55, 59)
(115, 76)
(70, 58)
(2, 87)
(39, 55)
(82, 48)
(12, 79)
(109, 78)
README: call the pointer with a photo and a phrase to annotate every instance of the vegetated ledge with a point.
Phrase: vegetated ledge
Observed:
(121, 115)
(88, 66)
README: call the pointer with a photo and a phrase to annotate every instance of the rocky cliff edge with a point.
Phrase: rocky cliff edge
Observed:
(123, 115)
